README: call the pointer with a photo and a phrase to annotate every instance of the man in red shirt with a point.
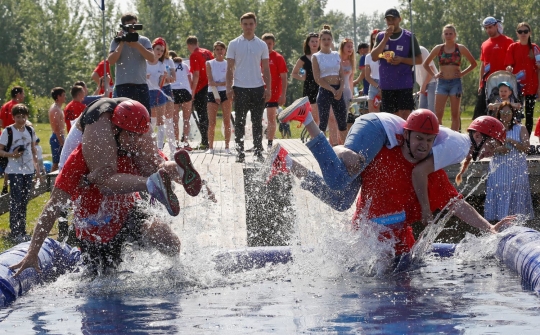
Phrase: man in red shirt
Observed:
(278, 73)
(492, 55)
(17, 96)
(199, 86)
(75, 107)
(98, 74)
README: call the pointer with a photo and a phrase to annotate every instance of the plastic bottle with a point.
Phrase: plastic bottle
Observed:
(302, 71)
(537, 54)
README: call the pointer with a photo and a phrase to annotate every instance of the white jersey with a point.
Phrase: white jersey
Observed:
(450, 147)
(153, 74)
(25, 163)
(182, 80)
(73, 139)
(219, 73)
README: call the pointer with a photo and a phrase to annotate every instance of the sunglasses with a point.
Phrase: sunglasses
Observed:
(313, 35)
(526, 31)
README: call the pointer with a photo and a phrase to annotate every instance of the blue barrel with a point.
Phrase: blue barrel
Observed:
(54, 260)
(519, 249)
(48, 166)
(258, 257)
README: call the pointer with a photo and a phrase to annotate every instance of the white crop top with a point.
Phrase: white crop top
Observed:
(329, 64)
(219, 73)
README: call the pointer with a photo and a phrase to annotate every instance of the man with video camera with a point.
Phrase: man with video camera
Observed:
(129, 51)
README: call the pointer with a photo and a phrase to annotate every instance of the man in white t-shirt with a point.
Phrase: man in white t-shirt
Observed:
(426, 82)
(245, 56)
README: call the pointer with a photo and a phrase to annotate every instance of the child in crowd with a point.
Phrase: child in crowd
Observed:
(506, 93)
(75, 107)
(22, 165)
(39, 153)
(507, 188)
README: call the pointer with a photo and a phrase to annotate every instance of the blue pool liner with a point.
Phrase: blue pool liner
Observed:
(519, 250)
(54, 259)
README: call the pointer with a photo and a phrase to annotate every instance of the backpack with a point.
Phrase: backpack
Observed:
(4, 160)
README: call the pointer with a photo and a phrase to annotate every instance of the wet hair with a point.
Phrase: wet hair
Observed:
(20, 109)
(529, 43)
(307, 49)
(128, 17)
(16, 90)
(75, 90)
(248, 16)
(56, 92)
(192, 40)
(174, 56)
(351, 57)
(448, 26)
(268, 36)
(514, 112)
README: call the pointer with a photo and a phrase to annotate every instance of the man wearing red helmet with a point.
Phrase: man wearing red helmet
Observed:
(388, 170)
(106, 217)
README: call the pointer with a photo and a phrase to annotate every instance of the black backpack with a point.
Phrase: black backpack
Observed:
(4, 160)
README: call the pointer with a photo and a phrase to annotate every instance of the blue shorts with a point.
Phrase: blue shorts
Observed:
(56, 149)
(222, 96)
(449, 87)
(157, 98)
(167, 90)
(373, 91)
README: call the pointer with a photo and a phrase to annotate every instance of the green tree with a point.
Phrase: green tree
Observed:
(54, 52)
(93, 28)
(7, 76)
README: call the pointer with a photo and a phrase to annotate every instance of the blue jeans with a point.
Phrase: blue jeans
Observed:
(337, 187)
(20, 187)
(428, 101)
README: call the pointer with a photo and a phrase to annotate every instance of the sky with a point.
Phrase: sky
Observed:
(362, 6)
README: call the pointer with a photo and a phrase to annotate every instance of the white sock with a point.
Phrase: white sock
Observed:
(308, 120)
(153, 122)
(160, 136)
(169, 129)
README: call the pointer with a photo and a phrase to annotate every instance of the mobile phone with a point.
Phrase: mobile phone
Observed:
(20, 148)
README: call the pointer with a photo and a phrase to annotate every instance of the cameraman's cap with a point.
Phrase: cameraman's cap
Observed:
(392, 12)
(489, 21)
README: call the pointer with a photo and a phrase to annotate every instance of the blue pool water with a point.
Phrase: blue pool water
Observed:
(471, 293)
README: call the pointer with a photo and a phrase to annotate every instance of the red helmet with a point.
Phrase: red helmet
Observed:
(132, 116)
(423, 121)
(489, 126)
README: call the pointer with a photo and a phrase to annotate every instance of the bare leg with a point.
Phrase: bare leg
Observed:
(440, 103)
(212, 108)
(455, 102)
(176, 118)
(160, 236)
(186, 115)
(315, 113)
(226, 109)
(271, 130)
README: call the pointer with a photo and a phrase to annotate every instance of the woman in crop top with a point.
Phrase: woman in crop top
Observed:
(303, 71)
(216, 70)
(328, 73)
(449, 55)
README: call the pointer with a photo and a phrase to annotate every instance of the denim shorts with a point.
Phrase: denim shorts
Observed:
(157, 98)
(373, 91)
(449, 86)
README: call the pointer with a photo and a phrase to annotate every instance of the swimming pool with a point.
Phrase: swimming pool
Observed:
(470, 293)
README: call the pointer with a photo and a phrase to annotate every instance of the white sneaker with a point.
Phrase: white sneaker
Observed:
(228, 151)
(209, 152)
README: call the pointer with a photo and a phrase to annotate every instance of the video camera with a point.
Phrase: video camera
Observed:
(126, 35)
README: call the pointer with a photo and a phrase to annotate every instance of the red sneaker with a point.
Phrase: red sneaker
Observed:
(191, 180)
(297, 111)
(275, 162)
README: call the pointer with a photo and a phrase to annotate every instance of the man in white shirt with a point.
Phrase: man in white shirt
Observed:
(245, 56)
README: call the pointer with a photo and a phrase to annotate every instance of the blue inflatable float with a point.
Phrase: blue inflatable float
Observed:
(54, 260)
(520, 251)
